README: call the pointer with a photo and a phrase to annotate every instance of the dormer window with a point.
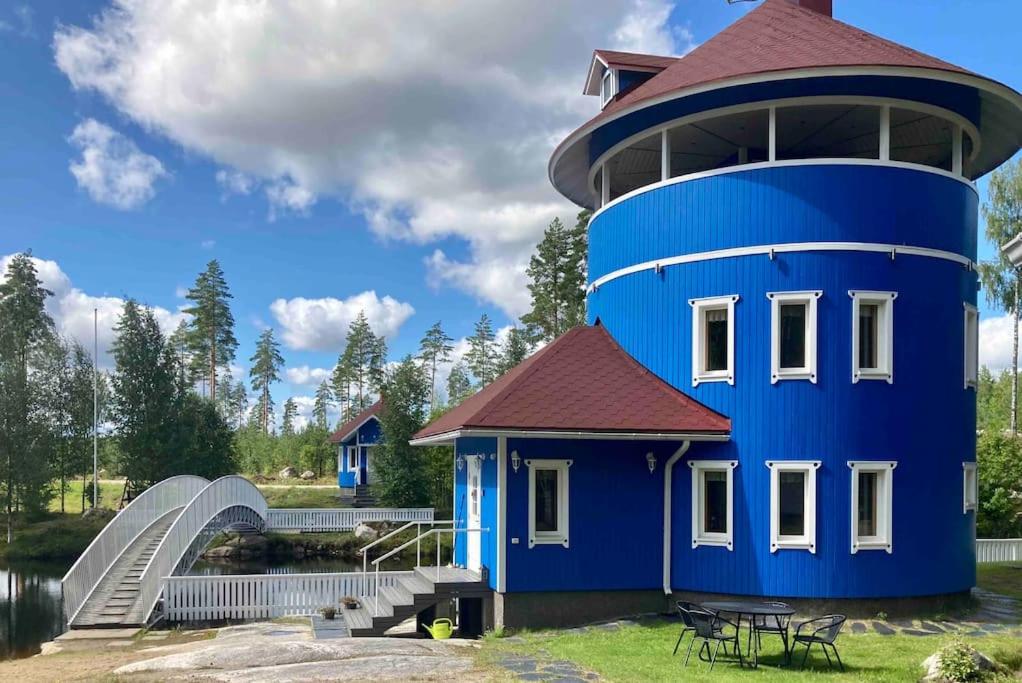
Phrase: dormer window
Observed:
(607, 89)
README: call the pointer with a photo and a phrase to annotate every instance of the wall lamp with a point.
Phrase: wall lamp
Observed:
(651, 461)
(460, 461)
(516, 461)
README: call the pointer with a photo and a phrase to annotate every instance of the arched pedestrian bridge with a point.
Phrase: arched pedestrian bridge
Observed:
(119, 579)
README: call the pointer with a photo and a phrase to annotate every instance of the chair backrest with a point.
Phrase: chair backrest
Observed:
(703, 621)
(684, 608)
(830, 627)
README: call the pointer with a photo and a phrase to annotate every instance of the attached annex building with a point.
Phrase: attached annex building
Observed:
(775, 395)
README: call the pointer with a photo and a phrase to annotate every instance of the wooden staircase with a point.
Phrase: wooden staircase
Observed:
(412, 595)
(364, 497)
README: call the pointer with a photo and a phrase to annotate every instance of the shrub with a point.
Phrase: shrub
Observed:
(957, 662)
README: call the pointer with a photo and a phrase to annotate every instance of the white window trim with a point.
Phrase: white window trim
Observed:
(884, 540)
(809, 298)
(699, 467)
(352, 458)
(698, 340)
(971, 345)
(559, 537)
(608, 86)
(808, 540)
(885, 355)
(967, 505)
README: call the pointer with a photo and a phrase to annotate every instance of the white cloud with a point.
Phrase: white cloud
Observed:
(207, 244)
(235, 182)
(435, 123)
(112, 169)
(995, 343)
(72, 309)
(322, 324)
(305, 376)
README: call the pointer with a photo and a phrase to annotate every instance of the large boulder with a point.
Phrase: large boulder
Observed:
(288, 473)
(308, 475)
(365, 532)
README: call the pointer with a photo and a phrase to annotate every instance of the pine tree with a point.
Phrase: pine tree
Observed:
(287, 427)
(239, 404)
(557, 274)
(400, 471)
(435, 348)
(211, 330)
(322, 405)
(516, 349)
(341, 382)
(179, 343)
(459, 386)
(482, 352)
(364, 360)
(266, 366)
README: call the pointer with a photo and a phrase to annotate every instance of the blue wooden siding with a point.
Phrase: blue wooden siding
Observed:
(629, 79)
(925, 420)
(367, 435)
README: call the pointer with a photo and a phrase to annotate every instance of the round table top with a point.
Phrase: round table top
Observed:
(748, 607)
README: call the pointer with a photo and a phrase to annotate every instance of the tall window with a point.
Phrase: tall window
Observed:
(793, 335)
(607, 86)
(352, 458)
(793, 504)
(548, 502)
(713, 502)
(713, 339)
(971, 346)
(872, 335)
(970, 487)
(872, 505)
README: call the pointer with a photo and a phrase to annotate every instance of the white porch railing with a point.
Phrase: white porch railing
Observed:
(136, 517)
(998, 550)
(208, 598)
(340, 519)
(218, 497)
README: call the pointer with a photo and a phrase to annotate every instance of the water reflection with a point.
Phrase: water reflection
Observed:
(31, 610)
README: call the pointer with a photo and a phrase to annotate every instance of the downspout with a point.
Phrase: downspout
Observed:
(667, 513)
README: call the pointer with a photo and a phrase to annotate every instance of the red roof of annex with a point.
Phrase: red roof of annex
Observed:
(581, 382)
(356, 422)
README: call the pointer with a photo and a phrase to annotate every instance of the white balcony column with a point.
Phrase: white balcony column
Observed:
(665, 155)
(772, 153)
(885, 133)
(605, 184)
(956, 150)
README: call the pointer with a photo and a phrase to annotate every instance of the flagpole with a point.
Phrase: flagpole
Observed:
(95, 406)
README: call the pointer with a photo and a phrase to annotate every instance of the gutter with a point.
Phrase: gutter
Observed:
(668, 468)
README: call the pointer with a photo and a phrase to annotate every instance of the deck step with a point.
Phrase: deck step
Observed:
(398, 597)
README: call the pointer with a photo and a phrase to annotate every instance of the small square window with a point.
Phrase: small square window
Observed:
(713, 502)
(970, 487)
(793, 504)
(548, 502)
(713, 339)
(873, 335)
(971, 346)
(872, 505)
(793, 335)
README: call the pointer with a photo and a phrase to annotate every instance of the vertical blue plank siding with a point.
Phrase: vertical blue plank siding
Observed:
(367, 435)
(925, 420)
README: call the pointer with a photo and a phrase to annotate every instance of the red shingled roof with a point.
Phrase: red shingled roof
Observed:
(355, 422)
(581, 382)
(777, 36)
(634, 59)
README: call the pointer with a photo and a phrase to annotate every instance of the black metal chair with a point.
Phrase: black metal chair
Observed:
(822, 631)
(689, 625)
(709, 627)
(770, 624)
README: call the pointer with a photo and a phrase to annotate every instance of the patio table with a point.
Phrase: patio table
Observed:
(752, 609)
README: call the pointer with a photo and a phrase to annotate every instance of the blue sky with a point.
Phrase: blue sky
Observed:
(332, 158)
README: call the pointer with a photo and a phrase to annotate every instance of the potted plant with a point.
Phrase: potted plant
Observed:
(349, 602)
(328, 613)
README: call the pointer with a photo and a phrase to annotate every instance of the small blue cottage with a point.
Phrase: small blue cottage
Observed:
(775, 395)
(355, 441)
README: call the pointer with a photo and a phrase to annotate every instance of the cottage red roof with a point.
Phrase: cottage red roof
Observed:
(615, 59)
(581, 382)
(346, 429)
(777, 36)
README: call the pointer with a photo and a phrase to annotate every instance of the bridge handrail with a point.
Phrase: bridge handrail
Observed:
(159, 499)
(218, 496)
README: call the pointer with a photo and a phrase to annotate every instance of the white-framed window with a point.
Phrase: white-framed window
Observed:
(971, 346)
(970, 487)
(352, 458)
(548, 502)
(713, 502)
(607, 87)
(872, 505)
(340, 458)
(793, 335)
(793, 504)
(873, 335)
(713, 339)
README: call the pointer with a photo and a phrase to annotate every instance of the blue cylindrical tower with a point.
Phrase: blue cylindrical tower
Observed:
(785, 229)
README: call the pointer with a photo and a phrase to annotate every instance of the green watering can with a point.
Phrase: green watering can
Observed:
(441, 629)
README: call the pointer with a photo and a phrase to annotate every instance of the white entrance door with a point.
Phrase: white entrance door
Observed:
(475, 494)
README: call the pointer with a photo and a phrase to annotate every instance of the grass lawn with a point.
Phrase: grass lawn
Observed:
(302, 497)
(643, 653)
(109, 496)
(1001, 577)
(57, 537)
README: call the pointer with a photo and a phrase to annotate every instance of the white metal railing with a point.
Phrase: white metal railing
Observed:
(153, 503)
(454, 531)
(218, 497)
(340, 519)
(207, 598)
(998, 550)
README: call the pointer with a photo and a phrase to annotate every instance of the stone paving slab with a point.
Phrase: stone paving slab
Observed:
(98, 634)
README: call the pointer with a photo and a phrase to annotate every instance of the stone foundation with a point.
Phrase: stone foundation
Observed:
(552, 610)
